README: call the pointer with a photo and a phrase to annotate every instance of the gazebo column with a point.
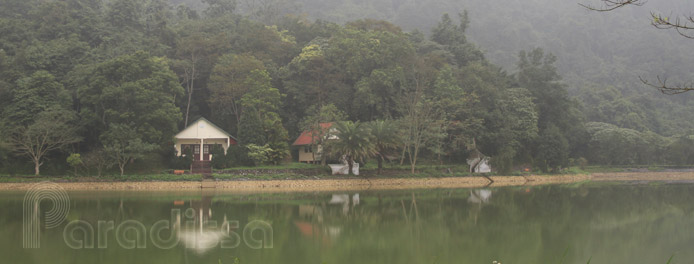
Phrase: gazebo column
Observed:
(202, 149)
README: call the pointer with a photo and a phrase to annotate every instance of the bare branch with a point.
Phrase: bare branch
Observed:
(662, 86)
(609, 5)
(683, 26)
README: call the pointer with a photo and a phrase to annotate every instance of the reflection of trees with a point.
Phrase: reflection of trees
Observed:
(621, 224)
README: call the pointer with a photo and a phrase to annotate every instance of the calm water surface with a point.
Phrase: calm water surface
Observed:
(622, 223)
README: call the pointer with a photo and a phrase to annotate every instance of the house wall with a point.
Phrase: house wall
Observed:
(308, 156)
(186, 141)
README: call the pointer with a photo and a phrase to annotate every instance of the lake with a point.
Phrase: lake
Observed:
(604, 223)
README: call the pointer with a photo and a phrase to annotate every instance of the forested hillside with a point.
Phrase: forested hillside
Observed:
(106, 83)
(599, 54)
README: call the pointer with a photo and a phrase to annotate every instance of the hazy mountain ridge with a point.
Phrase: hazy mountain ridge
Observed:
(593, 49)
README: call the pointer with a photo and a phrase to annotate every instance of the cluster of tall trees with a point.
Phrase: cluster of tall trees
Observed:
(115, 80)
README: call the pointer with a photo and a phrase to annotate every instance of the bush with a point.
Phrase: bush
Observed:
(219, 159)
(184, 161)
(278, 152)
(75, 160)
(238, 156)
(258, 154)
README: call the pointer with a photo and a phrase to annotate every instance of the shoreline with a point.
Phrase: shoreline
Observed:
(364, 184)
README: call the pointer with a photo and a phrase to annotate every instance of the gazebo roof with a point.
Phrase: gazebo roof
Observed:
(192, 126)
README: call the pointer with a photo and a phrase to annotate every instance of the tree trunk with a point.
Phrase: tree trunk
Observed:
(122, 169)
(191, 85)
(380, 164)
(350, 162)
(413, 162)
(37, 164)
(185, 124)
(402, 157)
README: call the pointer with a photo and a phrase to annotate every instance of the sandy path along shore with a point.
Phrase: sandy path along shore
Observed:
(366, 184)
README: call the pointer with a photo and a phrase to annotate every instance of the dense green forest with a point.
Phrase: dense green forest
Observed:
(103, 83)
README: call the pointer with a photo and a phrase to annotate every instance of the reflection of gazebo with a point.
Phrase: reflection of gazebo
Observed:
(196, 236)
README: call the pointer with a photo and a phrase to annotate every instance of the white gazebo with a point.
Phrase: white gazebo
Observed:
(200, 136)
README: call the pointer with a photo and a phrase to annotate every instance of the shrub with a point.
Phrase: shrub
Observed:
(219, 159)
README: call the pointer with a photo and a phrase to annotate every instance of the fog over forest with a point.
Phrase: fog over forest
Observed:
(596, 51)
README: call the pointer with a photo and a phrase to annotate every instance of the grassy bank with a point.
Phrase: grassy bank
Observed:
(301, 171)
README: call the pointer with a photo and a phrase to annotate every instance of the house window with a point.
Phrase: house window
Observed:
(196, 149)
(206, 149)
(308, 149)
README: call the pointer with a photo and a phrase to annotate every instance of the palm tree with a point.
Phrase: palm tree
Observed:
(354, 142)
(385, 136)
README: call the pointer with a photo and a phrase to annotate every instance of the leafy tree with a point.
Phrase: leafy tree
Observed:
(228, 84)
(310, 76)
(552, 149)
(51, 130)
(453, 38)
(196, 52)
(385, 136)
(538, 74)
(265, 99)
(251, 128)
(138, 90)
(217, 8)
(98, 159)
(680, 151)
(421, 119)
(35, 94)
(123, 145)
(126, 13)
(353, 142)
(75, 160)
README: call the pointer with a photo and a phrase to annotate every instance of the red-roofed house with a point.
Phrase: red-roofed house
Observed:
(309, 143)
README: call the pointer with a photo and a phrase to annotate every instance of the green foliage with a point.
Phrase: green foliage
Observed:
(258, 154)
(75, 160)
(353, 142)
(219, 158)
(237, 155)
(152, 67)
(137, 90)
(218, 8)
(51, 130)
(98, 159)
(266, 154)
(228, 85)
(123, 145)
(35, 94)
(385, 136)
(251, 128)
(552, 150)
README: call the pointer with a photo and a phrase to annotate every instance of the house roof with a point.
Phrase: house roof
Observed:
(191, 126)
(306, 137)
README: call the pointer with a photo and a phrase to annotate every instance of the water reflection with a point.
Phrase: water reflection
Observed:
(610, 224)
(202, 233)
(480, 196)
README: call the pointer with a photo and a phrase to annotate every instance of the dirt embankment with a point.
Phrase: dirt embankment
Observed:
(366, 184)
